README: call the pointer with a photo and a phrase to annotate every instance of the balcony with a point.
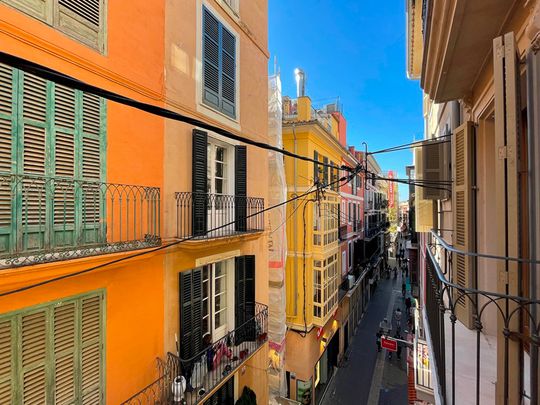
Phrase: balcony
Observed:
(372, 231)
(343, 232)
(463, 360)
(46, 219)
(237, 347)
(202, 216)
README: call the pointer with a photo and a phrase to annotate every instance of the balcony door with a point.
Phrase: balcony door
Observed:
(220, 178)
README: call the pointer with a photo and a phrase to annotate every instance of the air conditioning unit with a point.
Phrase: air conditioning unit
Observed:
(351, 280)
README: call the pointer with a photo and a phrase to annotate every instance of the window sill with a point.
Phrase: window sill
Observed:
(219, 116)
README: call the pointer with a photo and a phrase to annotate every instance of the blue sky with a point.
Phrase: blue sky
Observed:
(354, 49)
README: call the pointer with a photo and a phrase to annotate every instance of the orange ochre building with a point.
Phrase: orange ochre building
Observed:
(94, 187)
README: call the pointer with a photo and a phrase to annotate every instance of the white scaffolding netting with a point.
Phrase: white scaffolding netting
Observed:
(277, 245)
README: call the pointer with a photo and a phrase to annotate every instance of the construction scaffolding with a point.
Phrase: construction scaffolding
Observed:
(277, 245)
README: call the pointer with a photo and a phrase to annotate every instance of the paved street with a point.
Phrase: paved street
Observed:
(369, 377)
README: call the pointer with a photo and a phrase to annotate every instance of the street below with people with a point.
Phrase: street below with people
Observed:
(377, 376)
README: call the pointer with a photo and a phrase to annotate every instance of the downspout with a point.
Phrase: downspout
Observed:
(295, 229)
(533, 73)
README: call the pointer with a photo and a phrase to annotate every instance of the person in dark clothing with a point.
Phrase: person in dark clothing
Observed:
(398, 336)
(378, 335)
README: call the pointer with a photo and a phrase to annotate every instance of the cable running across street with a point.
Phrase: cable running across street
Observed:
(63, 79)
(345, 179)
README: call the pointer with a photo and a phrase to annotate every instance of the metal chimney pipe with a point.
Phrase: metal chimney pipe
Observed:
(300, 82)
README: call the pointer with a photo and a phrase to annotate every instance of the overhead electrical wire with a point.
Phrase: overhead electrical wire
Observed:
(69, 81)
(412, 145)
(345, 179)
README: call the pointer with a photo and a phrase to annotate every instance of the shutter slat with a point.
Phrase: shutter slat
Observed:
(86, 9)
(64, 113)
(33, 346)
(91, 114)
(34, 98)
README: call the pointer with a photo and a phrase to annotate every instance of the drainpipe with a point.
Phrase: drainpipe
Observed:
(295, 230)
(533, 73)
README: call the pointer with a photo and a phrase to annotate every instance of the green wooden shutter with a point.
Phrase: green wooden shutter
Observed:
(53, 353)
(93, 194)
(191, 312)
(64, 166)
(81, 19)
(325, 171)
(199, 182)
(6, 362)
(7, 124)
(211, 59)
(228, 72)
(33, 352)
(35, 191)
(64, 333)
(315, 167)
(91, 366)
(240, 188)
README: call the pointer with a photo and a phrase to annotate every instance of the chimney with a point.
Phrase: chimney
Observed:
(300, 82)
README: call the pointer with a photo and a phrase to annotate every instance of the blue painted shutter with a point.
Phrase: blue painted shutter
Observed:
(228, 72)
(240, 188)
(219, 65)
(211, 59)
(199, 182)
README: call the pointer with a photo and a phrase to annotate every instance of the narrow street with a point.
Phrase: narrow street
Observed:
(367, 376)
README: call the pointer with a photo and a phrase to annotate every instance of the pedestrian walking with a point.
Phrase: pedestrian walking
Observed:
(397, 318)
(378, 336)
(403, 289)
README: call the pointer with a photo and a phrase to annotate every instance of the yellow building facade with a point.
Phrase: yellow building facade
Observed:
(313, 273)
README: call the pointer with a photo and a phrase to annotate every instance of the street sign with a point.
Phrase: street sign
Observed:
(388, 344)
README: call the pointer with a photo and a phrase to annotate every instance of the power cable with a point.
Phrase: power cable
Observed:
(412, 145)
(162, 247)
(69, 81)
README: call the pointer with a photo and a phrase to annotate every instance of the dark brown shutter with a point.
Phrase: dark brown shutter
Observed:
(199, 182)
(325, 171)
(315, 167)
(244, 303)
(240, 188)
(191, 312)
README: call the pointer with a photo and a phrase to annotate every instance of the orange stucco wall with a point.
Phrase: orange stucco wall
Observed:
(131, 66)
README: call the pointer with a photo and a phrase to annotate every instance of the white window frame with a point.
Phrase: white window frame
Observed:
(210, 299)
(233, 5)
(213, 144)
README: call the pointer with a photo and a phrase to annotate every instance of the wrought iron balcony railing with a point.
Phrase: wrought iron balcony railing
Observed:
(372, 231)
(44, 219)
(207, 216)
(203, 372)
(501, 327)
(343, 232)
